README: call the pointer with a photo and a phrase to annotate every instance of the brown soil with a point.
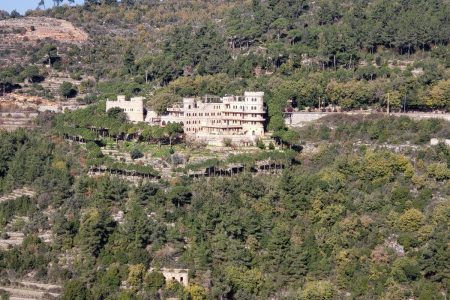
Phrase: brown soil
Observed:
(39, 28)
(22, 102)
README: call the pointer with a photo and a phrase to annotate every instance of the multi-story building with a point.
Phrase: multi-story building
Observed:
(134, 108)
(213, 119)
(239, 119)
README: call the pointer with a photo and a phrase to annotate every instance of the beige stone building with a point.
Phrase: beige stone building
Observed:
(134, 108)
(180, 275)
(214, 119)
(238, 119)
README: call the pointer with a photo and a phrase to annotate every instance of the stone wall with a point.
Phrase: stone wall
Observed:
(134, 108)
(180, 275)
(299, 119)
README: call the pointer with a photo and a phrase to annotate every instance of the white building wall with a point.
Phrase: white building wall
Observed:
(209, 119)
(134, 108)
(212, 119)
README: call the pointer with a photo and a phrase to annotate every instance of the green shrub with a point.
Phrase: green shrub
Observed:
(136, 153)
(438, 171)
(260, 144)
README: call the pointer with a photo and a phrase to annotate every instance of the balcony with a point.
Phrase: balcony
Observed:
(221, 126)
(175, 109)
(244, 111)
(246, 117)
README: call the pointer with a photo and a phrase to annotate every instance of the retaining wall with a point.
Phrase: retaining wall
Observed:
(299, 119)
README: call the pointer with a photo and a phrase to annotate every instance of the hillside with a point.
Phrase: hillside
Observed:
(350, 206)
(38, 28)
(362, 213)
(316, 53)
(19, 34)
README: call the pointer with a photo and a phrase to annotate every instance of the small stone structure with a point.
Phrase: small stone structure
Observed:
(134, 108)
(180, 275)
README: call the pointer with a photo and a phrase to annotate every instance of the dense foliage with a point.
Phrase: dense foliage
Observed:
(375, 129)
(343, 220)
(356, 54)
(94, 123)
(362, 212)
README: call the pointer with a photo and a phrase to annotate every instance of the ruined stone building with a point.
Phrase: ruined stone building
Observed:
(180, 275)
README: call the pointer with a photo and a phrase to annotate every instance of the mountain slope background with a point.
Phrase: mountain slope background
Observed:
(352, 54)
(362, 212)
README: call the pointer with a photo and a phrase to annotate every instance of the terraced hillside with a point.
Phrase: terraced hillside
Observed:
(20, 34)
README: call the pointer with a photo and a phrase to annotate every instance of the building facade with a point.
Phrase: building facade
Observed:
(134, 108)
(239, 119)
(213, 119)
(180, 275)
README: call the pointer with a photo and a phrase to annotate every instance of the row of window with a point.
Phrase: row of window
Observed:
(241, 122)
(130, 109)
(243, 108)
(234, 115)
(239, 115)
(201, 114)
(195, 130)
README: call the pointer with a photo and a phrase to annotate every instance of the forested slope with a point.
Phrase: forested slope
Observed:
(361, 213)
(342, 221)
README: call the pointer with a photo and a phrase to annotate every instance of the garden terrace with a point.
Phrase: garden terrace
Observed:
(15, 239)
(268, 166)
(123, 169)
(25, 191)
(229, 170)
(264, 162)
(12, 121)
(375, 129)
(272, 159)
(93, 123)
(25, 290)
